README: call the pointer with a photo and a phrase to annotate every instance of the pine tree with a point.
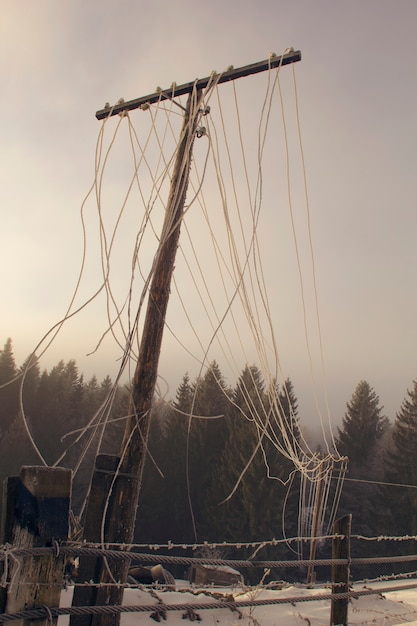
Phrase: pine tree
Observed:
(363, 428)
(58, 407)
(31, 371)
(184, 396)
(117, 411)
(192, 448)
(173, 487)
(48, 423)
(154, 519)
(285, 442)
(207, 438)
(9, 387)
(282, 428)
(250, 503)
(231, 520)
(401, 467)
(16, 450)
(362, 424)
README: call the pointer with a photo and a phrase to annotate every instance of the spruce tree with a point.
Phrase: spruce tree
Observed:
(16, 448)
(51, 419)
(282, 428)
(9, 387)
(173, 486)
(233, 518)
(362, 425)
(251, 499)
(195, 436)
(285, 441)
(184, 396)
(401, 467)
(154, 517)
(362, 429)
(207, 437)
(117, 411)
(31, 371)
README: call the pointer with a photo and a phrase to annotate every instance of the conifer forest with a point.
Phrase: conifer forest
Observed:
(197, 483)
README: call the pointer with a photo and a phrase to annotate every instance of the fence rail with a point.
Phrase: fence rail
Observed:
(10, 552)
(10, 555)
(159, 610)
(35, 547)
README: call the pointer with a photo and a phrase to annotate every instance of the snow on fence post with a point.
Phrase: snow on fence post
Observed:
(35, 514)
(340, 573)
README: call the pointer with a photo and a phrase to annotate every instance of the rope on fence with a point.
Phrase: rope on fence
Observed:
(159, 609)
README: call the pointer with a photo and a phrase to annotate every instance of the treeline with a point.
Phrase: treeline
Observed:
(206, 478)
(55, 404)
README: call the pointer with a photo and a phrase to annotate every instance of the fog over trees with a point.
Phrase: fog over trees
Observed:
(198, 483)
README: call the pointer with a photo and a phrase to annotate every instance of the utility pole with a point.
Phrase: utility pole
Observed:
(116, 481)
(311, 574)
(150, 346)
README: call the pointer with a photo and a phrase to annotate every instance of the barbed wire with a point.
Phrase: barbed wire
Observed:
(159, 558)
(385, 538)
(70, 551)
(159, 610)
(74, 548)
(9, 554)
(170, 545)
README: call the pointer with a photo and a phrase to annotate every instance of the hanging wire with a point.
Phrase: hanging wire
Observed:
(228, 185)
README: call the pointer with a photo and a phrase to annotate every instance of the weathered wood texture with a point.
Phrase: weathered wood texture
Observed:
(35, 514)
(341, 573)
(103, 512)
(120, 496)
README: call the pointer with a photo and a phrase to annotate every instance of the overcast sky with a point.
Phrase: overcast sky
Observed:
(63, 60)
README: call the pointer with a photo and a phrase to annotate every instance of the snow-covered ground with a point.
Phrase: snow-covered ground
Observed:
(388, 609)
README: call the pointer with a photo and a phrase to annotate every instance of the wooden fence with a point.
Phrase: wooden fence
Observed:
(34, 547)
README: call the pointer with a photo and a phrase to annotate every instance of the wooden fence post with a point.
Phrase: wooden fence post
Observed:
(92, 568)
(35, 514)
(340, 573)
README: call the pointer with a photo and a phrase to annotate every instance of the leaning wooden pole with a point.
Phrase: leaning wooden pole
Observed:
(151, 340)
(114, 495)
(311, 574)
(116, 484)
